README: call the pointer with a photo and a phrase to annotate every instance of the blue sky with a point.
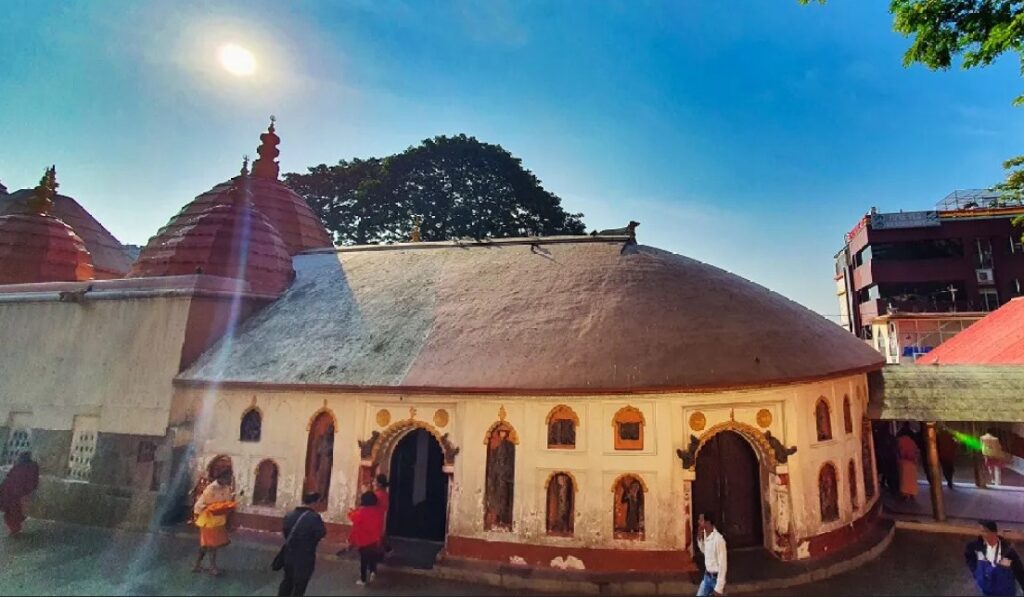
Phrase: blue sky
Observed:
(750, 134)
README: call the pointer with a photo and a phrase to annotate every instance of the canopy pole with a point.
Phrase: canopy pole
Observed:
(935, 474)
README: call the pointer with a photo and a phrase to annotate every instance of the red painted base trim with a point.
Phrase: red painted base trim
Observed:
(841, 537)
(336, 532)
(600, 560)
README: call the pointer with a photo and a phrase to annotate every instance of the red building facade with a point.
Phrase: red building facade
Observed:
(965, 256)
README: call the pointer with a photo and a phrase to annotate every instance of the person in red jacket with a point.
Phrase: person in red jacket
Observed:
(367, 527)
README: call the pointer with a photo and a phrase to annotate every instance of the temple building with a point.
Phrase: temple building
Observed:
(533, 400)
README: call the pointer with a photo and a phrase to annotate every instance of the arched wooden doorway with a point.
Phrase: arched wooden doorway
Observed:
(728, 485)
(320, 458)
(418, 506)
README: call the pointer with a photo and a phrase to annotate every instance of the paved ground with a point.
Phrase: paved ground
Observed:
(58, 559)
(915, 564)
(966, 502)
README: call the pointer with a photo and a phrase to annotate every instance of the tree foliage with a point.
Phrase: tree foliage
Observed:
(457, 187)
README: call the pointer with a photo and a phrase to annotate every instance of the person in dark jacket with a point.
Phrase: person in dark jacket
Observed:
(993, 562)
(303, 530)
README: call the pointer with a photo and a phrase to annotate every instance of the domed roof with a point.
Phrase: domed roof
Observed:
(109, 257)
(298, 226)
(37, 247)
(573, 314)
(231, 239)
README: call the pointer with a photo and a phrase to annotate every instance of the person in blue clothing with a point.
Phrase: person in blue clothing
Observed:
(993, 562)
(303, 530)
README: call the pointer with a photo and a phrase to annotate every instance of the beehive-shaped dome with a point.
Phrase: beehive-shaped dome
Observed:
(109, 258)
(231, 239)
(299, 227)
(37, 247)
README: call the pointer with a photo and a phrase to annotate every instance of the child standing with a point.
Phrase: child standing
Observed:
(367, 528)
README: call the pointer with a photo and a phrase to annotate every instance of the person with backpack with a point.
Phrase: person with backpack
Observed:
(993, 562)
(303, 529)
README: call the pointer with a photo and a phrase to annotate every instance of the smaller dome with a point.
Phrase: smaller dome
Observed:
(37, 247)
(231, 240)
(299, 227)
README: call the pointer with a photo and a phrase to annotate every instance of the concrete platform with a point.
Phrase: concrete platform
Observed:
(750, 570)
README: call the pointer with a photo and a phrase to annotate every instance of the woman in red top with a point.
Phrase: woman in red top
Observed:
(367, 528)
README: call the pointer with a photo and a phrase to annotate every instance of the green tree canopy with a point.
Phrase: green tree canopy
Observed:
(457, 186)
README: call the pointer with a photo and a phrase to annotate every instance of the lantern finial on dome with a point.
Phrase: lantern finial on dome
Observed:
(245, 166)
(265, 166)
(42, 198)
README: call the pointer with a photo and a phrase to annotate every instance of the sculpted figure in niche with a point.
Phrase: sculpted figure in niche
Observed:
(828, 493)
(823, 420)
(501, 466)
(629, 508)
(252, 426)
(324, 461)
(560, 505)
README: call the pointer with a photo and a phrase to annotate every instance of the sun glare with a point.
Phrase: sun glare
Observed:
(237, 60)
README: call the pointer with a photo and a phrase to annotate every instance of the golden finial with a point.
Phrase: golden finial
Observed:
(42, 199)
(415, 236)
(501, 413)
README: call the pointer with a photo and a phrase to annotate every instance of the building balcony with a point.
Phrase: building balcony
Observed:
(923, 270)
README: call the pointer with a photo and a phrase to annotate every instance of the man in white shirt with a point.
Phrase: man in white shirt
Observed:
(712, 544)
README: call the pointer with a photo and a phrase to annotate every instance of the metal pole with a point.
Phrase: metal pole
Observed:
(935, 474)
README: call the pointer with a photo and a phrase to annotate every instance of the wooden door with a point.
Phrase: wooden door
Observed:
(728, 485)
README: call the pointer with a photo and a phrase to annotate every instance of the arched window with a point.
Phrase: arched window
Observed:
(252, 426)
(561, 502)
(562, 423)
(828, 492)
(629, 429)
(852, 474)
(823, 419)
(628, 509)
(866, 461)
(264, 490)
(847, 416)
(499, 485)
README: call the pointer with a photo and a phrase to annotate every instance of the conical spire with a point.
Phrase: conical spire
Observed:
(265, 166)
(42, 199)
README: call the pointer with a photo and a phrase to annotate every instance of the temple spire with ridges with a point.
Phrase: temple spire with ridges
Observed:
(265, 166)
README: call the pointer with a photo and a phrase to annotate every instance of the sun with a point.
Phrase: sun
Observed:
(237, 60)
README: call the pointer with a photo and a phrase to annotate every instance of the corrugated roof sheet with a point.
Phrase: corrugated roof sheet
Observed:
(547, 314)
(998, 338)
(947, 393)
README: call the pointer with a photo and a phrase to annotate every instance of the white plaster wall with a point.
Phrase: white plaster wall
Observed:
(812, 454)
(595, 464)
(113, 359)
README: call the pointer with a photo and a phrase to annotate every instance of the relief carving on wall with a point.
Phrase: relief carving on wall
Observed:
(450, 450)
(366, 447)
(698, 421)
(782, 453)
(770, 450)
(689, 455)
